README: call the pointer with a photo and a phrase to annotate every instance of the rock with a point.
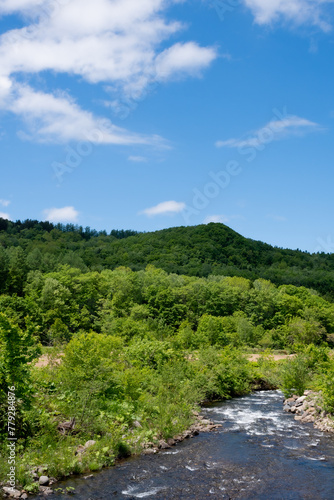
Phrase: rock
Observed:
(24, 496)
(308, 410)
(186, 434)
(46, 490)
(137, 424)
(80, 449)
(147, 445)
(300, 401)
(12, 492)
(44, 481)
(149, 451)
(206, 422)
(212, 427)
(178, 438)
(171, 442)
(163, 445)
(308, 418)
(89, 444)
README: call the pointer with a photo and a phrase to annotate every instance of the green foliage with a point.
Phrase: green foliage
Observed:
(222, 374)
(328, 389)
(295, 375)
(161, 343)
(300, 331)
(17, 349)
(194, 251)
(210, 331)
(86, 378)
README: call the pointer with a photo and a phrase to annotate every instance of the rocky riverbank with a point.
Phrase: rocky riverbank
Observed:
(44, 482)
(201, 425)
(309, 409)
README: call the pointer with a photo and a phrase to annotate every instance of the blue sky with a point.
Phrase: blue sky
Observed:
(147, 114)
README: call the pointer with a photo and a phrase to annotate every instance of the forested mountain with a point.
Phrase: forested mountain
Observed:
(130, 353)
(193, 251)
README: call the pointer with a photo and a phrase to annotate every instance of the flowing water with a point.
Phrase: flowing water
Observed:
(260, 453)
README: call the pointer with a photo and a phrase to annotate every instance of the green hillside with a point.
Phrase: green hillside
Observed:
(131, 353)
(193, 251)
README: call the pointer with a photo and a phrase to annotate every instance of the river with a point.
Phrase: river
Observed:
(259, 453)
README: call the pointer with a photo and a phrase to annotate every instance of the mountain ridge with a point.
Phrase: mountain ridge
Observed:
(191, 250)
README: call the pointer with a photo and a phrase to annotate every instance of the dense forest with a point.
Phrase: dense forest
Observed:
(192, 251)
(133, 348)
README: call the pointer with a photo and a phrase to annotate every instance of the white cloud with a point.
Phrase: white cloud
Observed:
(137, 159)
(5, 203)
(4, 216)
(66, 214)
(10, 6)
(272, 131)
(299, 12)
(115, 43)
(182, 59)
(58, 118)
(165, 208)
(223, 219)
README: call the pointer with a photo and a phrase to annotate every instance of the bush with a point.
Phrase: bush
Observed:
(328, 390)
(295, 375)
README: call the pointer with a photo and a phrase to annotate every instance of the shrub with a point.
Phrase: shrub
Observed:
(295, 375)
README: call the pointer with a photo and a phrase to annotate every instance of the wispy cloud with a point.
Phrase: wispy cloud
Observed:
(223, 219)
(58, 118)
(3, 215)
(298, 12)
(137, 159)
(274, 130)
(5, 203)
(113, 43)
(65, 214)
(165, 208)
